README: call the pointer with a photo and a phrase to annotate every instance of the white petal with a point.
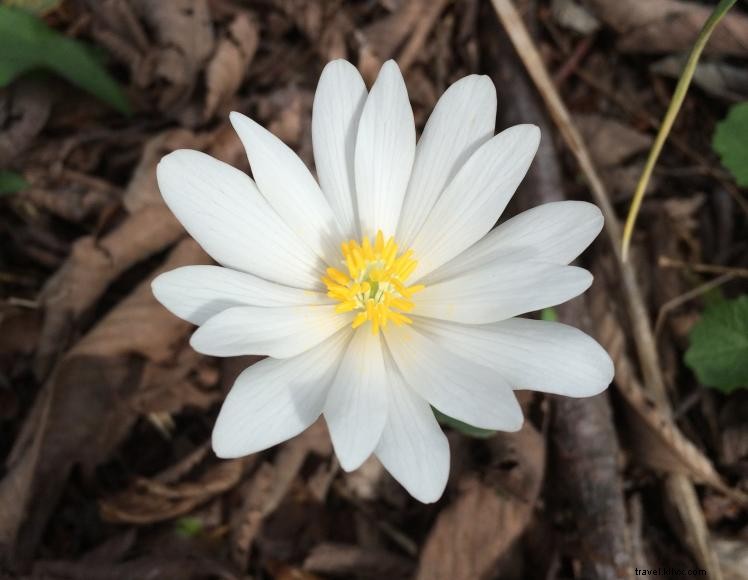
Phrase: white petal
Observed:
(221, 208)
(501, 290)
(456, 386)
(413, 447)
(275, 400)
(530, 354)
(278, 332)
(289, 187)
(196, 293)
(385, 147)
(338, 103)
(356, 407)
(473, 201)
(554, 232)
(463, 119)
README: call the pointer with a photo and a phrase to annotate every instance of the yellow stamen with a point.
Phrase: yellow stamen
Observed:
(371, 282)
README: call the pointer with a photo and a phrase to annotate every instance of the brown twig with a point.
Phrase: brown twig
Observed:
(585, 445)
(666, 262)
(679, 489)
(674, 303)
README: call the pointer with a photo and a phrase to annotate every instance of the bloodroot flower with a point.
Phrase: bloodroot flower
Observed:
(381, 292)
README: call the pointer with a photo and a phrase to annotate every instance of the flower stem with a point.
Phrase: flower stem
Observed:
(667, 123)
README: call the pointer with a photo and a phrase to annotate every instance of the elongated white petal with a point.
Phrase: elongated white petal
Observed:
(289, 187)
(278, 332)
(196, 293)
(413, 447)
(501, 290)
(463, 119)
(473, 201)
(554, 232)
(338, 103)
(456, 386)
(275, 400)
(530, 354)
(222, 209)
(356, 407)
(385, 147)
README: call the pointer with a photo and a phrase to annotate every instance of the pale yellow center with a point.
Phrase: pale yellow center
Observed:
(374, 284)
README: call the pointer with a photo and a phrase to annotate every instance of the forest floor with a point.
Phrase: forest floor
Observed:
(106, 411)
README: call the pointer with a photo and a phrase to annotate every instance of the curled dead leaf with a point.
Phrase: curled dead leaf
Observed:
(148, 500)
(228, 66)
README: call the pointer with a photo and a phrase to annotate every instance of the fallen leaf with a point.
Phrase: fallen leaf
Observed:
(184, 33)
(657, 440)
(670, 26)
(269, 486)
(228, 67)
(148, 501)
(717, 78)
(349, 560)
(88, 414)
(610, 141)
(473, 532)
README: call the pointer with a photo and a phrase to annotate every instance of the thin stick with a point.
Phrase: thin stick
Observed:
(674, 303)
(665, 262)
(679, 488)
(667, 123)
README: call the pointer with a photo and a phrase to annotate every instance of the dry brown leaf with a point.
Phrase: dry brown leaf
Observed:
(733, 557)
(152, 567)
(610, 141)
(472, 533)
(348, 560)
(95, 263)
(89, 412)
(713, 76)
(228, 67)
(142, 190)
(148, 501)
(269, 486)
(659, 443)
(184, 32)
(670, 26)
(24, 110)
(89, 270)
(171, 387)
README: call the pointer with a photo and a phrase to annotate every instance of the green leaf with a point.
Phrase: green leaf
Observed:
(188, 527)
(549, 314)
(719, 345)
(11, 182)
(731, 142)
(463, 428)
(26, 43)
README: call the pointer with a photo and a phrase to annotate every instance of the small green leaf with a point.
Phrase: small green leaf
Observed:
(188, 527)
(26, 43)
(11, 182)
(463, 428)
(731, 142)
(719, 345)
(549, 314)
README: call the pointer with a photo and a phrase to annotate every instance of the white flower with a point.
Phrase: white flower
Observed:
(381, 291)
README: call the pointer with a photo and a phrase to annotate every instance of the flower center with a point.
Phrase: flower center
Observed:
(374, 283)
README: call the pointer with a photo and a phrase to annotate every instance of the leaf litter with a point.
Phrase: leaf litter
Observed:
(106, 411)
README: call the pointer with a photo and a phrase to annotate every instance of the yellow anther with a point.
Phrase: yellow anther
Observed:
(401, 304)
(379, 243)
(359, 320)
(338, 276)
(374, 285)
